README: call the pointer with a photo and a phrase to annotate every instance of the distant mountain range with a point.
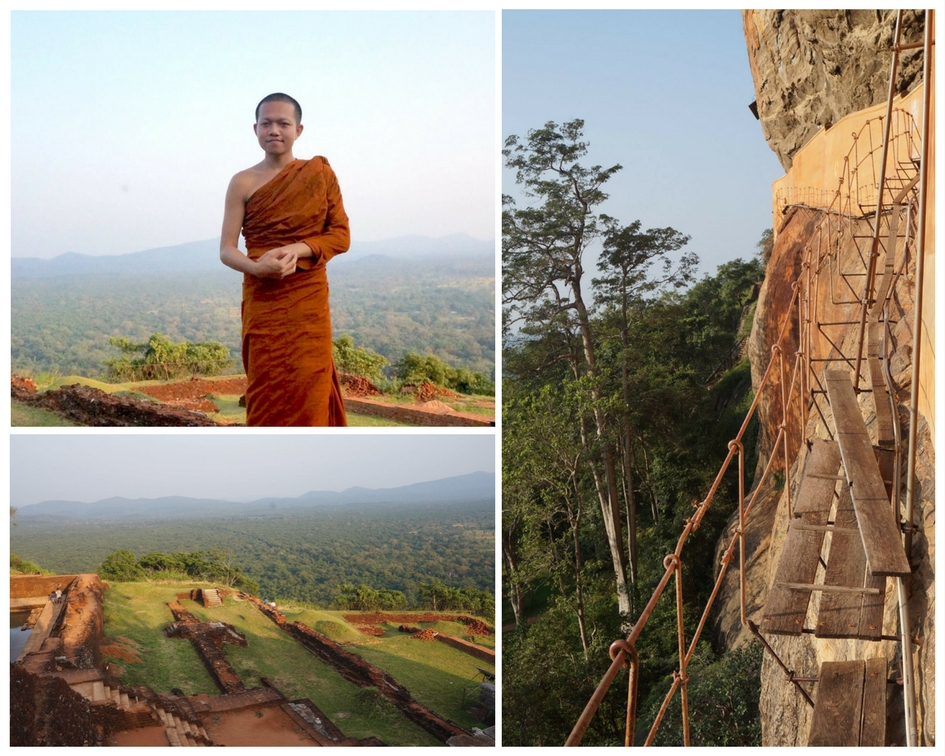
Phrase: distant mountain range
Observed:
(472, 487)
(204, 256)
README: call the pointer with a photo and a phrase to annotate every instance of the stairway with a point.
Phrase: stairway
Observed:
(134, 713)
(181, 732)
(211, 597)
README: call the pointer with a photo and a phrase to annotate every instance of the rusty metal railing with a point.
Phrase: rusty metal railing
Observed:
(797, 392)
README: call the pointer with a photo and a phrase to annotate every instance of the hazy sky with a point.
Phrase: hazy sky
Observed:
(239, 468)
(666, 95)
(127, 126)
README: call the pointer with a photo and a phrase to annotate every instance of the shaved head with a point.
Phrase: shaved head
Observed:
(280, 97)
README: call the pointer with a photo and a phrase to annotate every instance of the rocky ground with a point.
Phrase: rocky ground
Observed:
(184, 403)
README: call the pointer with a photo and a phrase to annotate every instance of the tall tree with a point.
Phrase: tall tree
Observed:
(543, 247)
(547, 503)
(627, 264)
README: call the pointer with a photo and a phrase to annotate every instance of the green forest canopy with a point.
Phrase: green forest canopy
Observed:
(620, 395)
(304, 555)
(441, 307)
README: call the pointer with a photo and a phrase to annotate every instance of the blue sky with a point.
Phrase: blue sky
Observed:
(666, 95)
(126, 127)
(234, 467)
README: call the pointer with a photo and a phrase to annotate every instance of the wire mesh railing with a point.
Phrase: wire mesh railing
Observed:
(823, 294)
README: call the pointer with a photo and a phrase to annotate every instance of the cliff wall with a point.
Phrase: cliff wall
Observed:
(819, 76)
(813, 67)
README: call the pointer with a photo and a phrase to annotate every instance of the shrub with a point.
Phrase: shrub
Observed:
(162, 358)
(357, 360)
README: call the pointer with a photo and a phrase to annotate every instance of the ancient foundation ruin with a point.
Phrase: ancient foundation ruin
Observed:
(62, 694)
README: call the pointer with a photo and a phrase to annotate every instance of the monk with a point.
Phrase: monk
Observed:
(293, 220)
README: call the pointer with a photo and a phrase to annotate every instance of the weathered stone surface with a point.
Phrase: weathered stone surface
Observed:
(785, 715)
(812, 67)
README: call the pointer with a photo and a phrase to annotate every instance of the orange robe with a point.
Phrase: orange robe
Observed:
(286, 323)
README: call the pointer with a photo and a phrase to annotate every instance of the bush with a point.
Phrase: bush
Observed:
(164, 359)
(723, 701)
(357, 360)
(417, 368)
(122, 566)
(19, 566)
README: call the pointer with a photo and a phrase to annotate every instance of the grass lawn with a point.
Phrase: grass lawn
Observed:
(472, 408)
(471, 404)
(327, 623)
(372, 421)
(138, 611)
(108, 388)
(24, 416)
(433, 672)
(297, 673)
(231, 412)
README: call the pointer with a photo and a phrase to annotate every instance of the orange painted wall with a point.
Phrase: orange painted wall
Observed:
(815, 177)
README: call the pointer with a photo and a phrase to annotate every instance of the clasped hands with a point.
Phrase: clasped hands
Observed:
(277, 263)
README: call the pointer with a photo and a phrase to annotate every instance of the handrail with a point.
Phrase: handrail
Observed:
(799, 389)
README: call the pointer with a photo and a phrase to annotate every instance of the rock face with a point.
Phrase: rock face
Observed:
(813, 67)
(785, 715)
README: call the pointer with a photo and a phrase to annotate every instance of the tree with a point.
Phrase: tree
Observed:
(157, 561)
(223, 568)
(627, 282)
(346, 596)
(122, 566)
(356, 360)
(543, 247)
(440, 596)
(542, 499)
(161, 358)
(417, 368)
(765, 245)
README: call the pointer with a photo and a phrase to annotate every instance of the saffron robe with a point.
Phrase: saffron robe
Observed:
(286, 323)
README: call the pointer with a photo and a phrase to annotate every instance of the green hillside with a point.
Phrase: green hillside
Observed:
(442, 307)
(303, 554)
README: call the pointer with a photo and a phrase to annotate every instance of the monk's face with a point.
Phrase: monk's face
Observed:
(276, 128)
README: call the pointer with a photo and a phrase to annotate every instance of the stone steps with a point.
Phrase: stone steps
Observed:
(186, 733)
(180, 732)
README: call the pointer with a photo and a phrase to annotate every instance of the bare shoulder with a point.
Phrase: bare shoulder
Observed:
(244, 183)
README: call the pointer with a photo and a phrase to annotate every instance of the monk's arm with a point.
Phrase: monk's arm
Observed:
(273, 264)
(336, 238)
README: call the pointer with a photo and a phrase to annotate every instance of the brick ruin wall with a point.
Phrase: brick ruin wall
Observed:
(45, 711)
(359, 671)
(210, 652)
(79, 629)
(480, 652)
(28, 586)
